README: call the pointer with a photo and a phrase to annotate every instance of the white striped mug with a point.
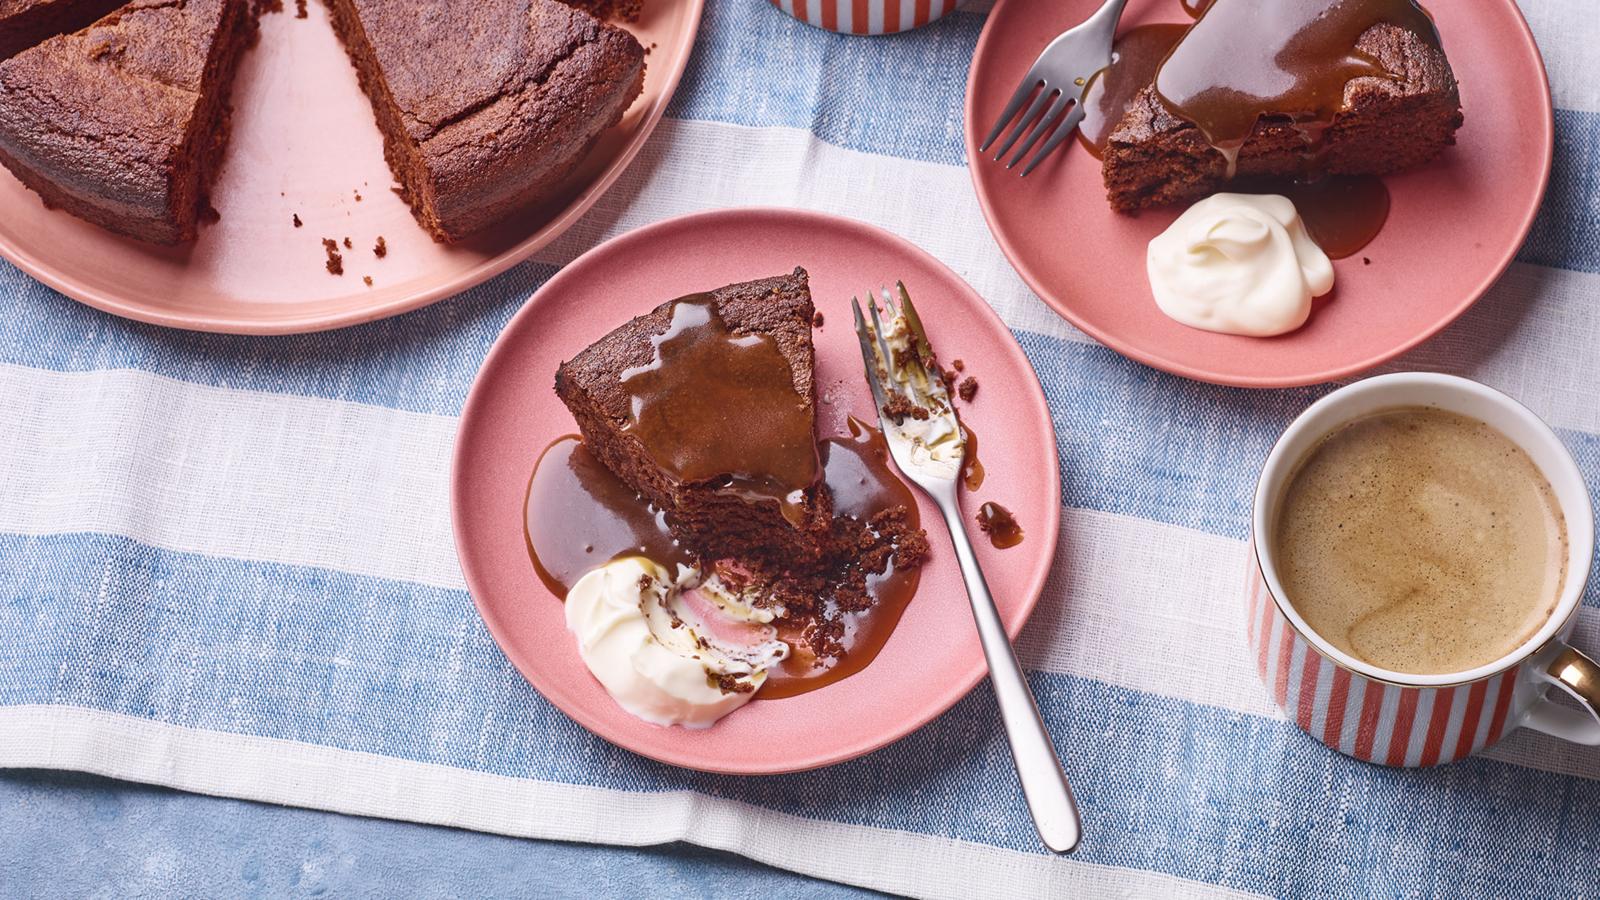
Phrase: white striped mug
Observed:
(867, 16)
(1398, 719)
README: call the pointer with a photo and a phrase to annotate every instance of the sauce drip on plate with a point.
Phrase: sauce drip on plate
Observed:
(579, 516)
(1000, 525)
(859, 476)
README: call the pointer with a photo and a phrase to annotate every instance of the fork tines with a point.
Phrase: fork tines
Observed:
(1049, 103)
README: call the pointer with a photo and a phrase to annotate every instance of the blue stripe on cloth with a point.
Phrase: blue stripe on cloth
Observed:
(904, 96)
(410, 672)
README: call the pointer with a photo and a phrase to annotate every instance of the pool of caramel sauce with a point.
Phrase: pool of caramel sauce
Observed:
(579, 516)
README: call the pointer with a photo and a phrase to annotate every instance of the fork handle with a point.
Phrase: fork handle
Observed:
(1044, 784)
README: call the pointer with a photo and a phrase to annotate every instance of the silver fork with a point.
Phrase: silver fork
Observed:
(930, 452)
(1059, 76)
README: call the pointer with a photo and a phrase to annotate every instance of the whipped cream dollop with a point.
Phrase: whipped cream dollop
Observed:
(671, 648)
(1238, 264)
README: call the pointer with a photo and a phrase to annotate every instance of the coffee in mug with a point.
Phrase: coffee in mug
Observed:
(1421, 541)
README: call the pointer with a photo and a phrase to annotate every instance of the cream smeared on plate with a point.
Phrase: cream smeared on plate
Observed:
(671, 648)
(1238, 264)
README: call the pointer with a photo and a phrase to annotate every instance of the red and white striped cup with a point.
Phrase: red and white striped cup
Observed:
(867, 16)
(1398, 719)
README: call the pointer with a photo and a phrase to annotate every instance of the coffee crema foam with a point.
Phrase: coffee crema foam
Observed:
(1421, 541)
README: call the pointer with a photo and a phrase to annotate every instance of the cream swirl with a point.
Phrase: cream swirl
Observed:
(1238, 264)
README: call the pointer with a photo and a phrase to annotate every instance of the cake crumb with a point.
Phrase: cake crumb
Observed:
(358, 196)
(948, 376)
(335, 262)
(299, 9)
(1365, 261)
(381, 248)
(348, 245)
(968, 389)
(899, 408)
(297, 222)
(958, 365)
(366, 280)
(816, 319)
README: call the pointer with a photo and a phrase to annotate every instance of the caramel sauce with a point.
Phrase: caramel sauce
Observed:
(715, 404)
(1343, 213)
(1000, 525)
(861, 478)
(1135, 57)
(971, 467)
(1244, 59)
(579, 517)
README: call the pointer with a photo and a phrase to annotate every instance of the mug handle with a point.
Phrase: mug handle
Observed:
(1572, 671)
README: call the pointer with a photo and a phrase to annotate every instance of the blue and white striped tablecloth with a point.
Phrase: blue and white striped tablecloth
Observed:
(226, 563)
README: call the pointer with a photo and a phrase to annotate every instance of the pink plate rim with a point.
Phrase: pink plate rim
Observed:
(554, 228)
(941, 701)
(1545, 137)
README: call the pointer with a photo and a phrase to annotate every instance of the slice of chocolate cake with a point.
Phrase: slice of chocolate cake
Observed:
(123, 123)
(24, 23)
(486, 107)
(1297, 88)
(706, 405)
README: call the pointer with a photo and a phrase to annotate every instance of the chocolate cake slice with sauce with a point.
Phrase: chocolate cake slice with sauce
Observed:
(706, 406)
(1285, 88)
(485, 107)
(124, 122)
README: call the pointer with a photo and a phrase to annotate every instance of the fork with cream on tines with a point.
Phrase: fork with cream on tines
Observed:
(929, 450)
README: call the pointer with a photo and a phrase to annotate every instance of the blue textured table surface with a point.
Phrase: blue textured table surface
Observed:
(64, 834)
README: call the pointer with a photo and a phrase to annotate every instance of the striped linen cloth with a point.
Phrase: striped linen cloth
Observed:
(226, 563)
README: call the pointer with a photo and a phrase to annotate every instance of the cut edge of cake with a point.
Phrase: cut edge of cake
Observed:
(516, 148)
(156, 188)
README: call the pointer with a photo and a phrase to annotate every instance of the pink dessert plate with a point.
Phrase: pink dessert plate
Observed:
(933, 658)
(305, 144)
(1454, 225)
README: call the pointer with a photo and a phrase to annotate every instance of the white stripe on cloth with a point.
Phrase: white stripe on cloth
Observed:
(1138, 604)
(345, 781)
(1532, 336)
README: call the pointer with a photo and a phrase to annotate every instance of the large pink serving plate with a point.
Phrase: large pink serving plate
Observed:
(1453, 227)
(304, 143)
(933, 657)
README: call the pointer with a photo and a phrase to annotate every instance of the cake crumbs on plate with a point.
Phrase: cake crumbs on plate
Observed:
(958, 365)
(300, 9)
(366, 280)
(381, 248)
(968, 389)
(297, 222)
(816, 319)
(335, 261)
(348, 245)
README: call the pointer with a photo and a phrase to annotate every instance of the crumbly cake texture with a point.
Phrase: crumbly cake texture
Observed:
(124, 122)
(1154, 158)
(486, 107)
(815, 571)
(25, 23)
